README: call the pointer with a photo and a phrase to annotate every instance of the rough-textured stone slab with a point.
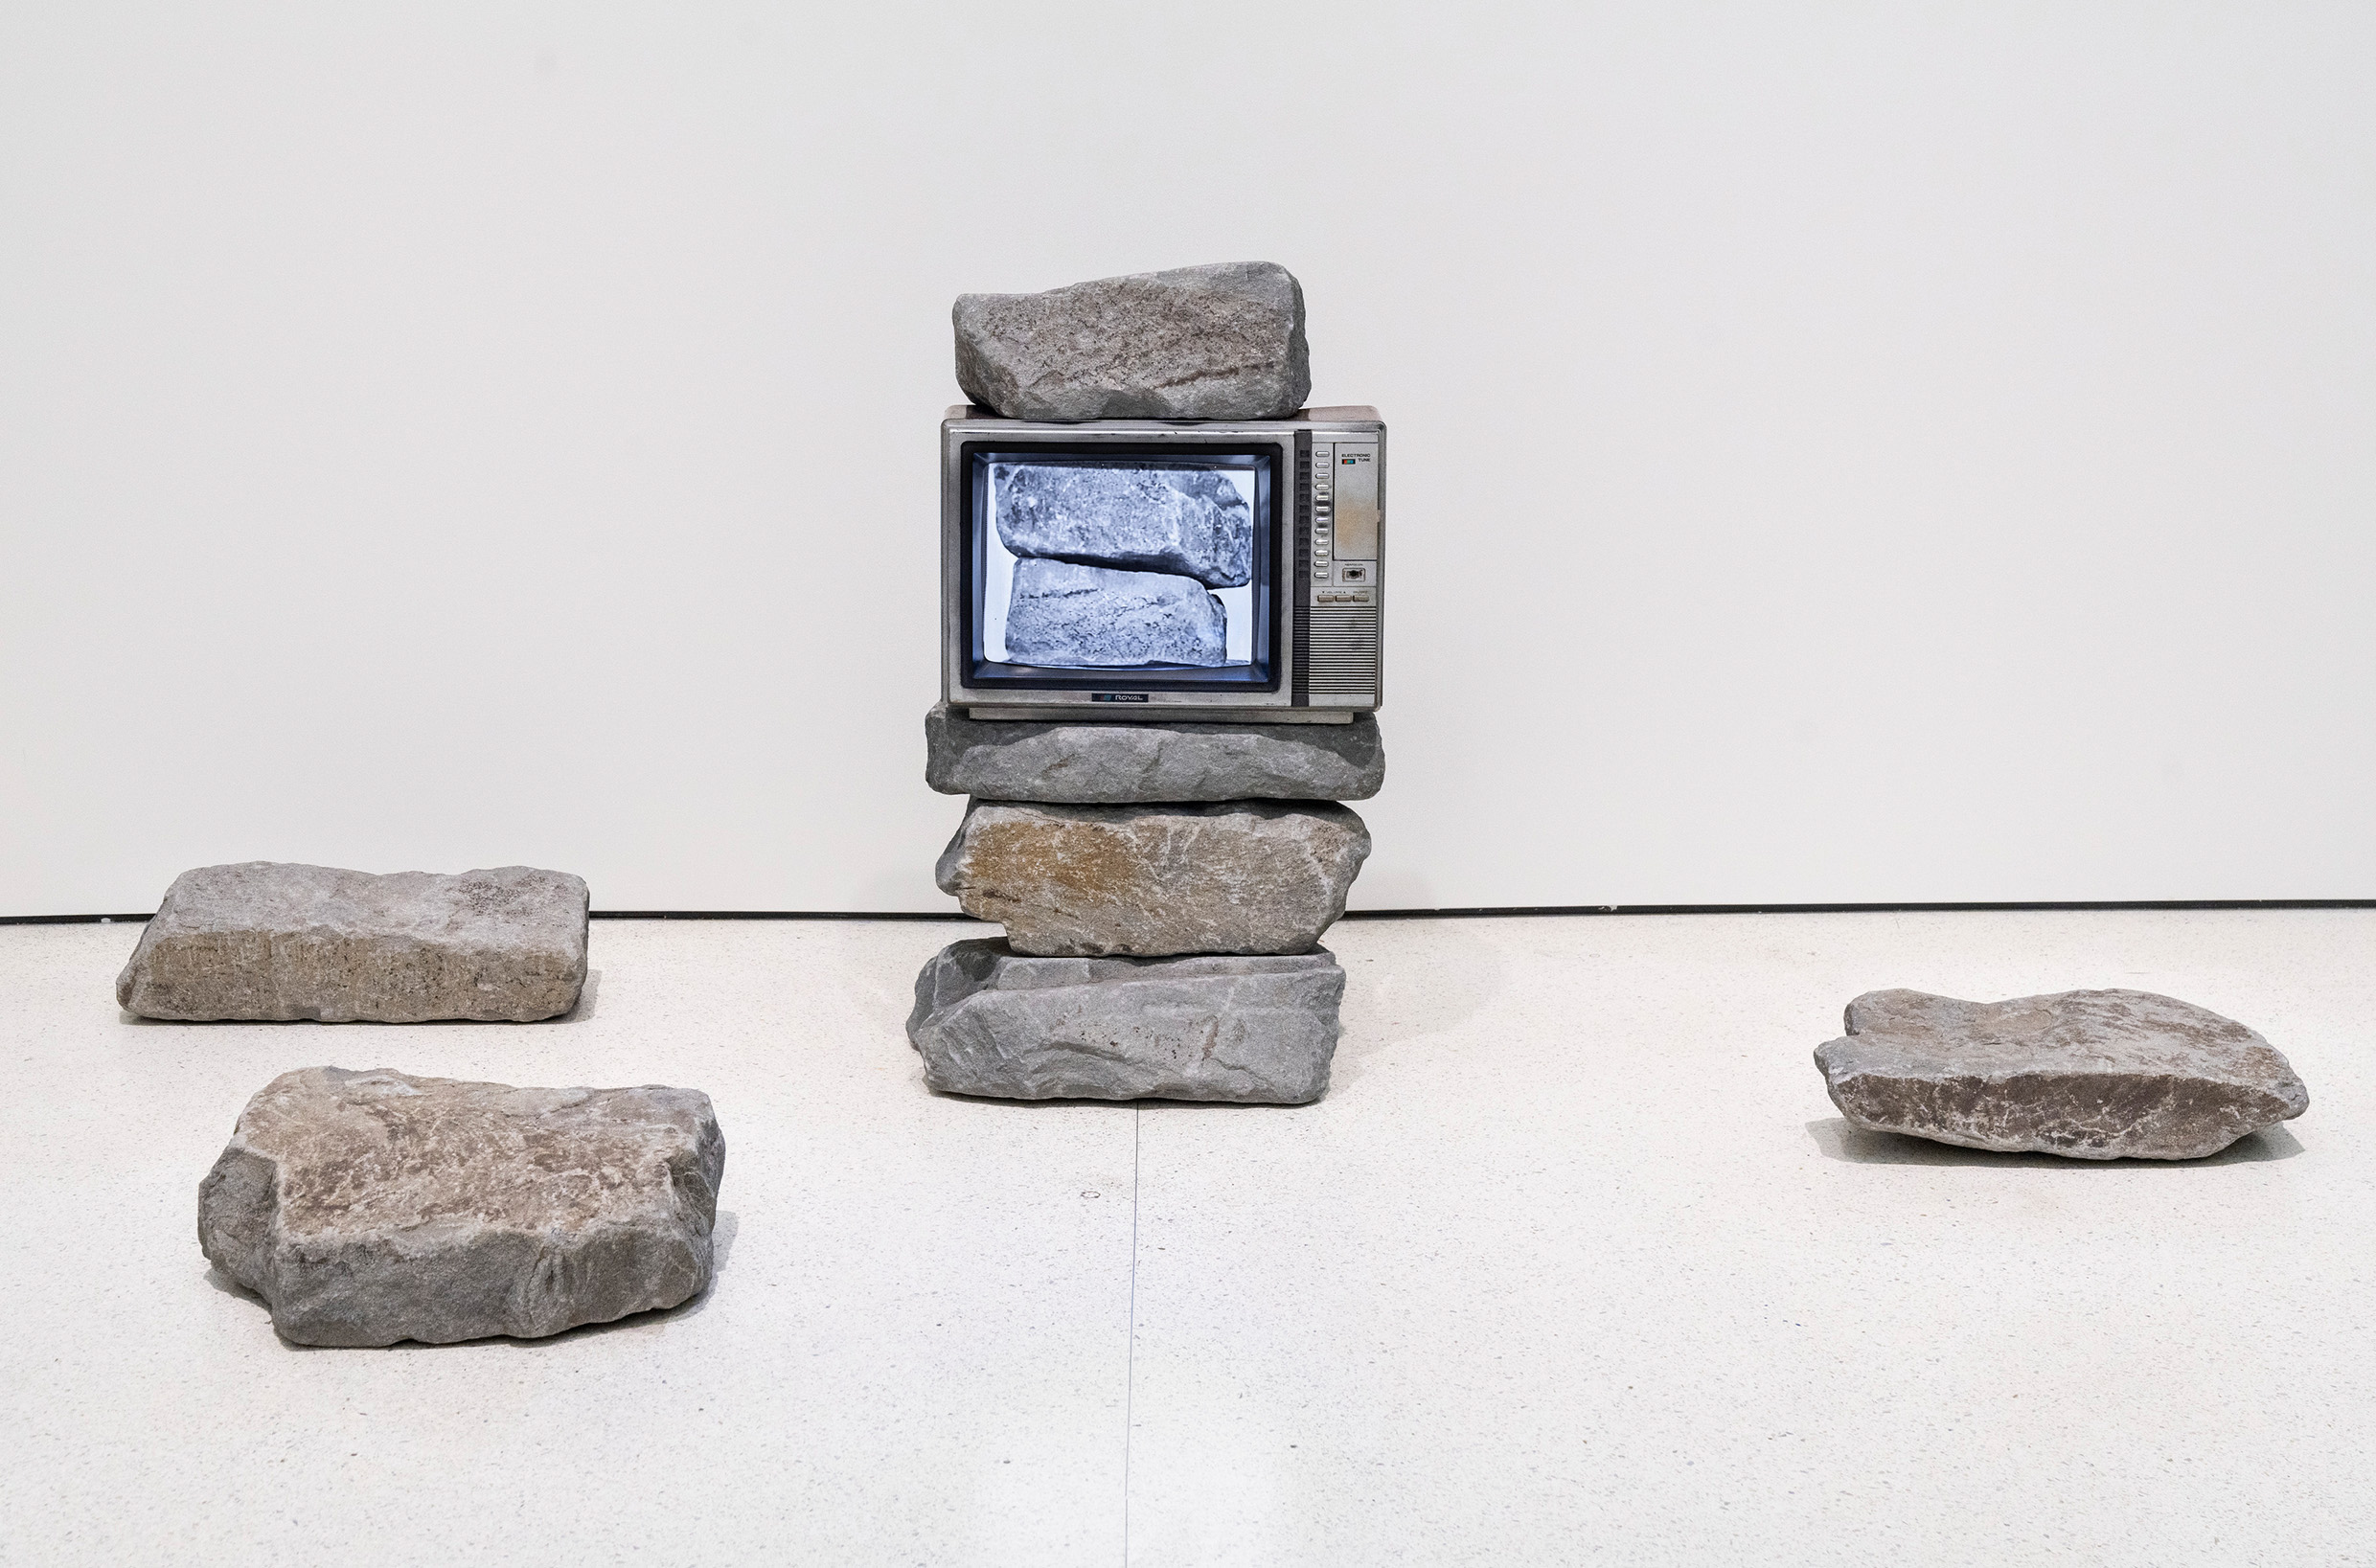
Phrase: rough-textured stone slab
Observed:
(372, 1207)
(1220, 342)
(1075, 616)
(1069, 764)
(2094, 1075)
(1151, 881)
(267, 941)
(1192, 522)
(1256, 1031)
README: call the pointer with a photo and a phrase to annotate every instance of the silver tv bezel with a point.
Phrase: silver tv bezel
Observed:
(965, 423)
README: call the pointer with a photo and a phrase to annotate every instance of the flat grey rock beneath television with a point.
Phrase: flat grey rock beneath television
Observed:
(1153, 881)
(1218, 342)
(268, 940)
(2093, 1075)
(1128, 763)
(1192, 522)
(1092, 616)
(1254, 1031)
(368, 1208)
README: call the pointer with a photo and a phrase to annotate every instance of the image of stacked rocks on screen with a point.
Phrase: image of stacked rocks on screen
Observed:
(1115, 564)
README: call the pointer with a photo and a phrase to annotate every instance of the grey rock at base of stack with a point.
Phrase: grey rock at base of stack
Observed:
(1250, 1029)
(269, 941)
(1081, 763)
(1218, 342)
(2093, 1074)
(1153, 881)
(368, 1208)
(1071, 616)
(1192, 522)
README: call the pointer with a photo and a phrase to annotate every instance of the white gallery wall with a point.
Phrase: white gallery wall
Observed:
(1840, 451)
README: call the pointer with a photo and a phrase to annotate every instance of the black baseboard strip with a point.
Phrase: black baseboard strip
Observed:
(775, 915)
(1854, 909)
(141, 918)
(1508, 912)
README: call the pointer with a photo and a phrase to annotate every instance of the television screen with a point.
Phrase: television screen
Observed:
(1154, 566)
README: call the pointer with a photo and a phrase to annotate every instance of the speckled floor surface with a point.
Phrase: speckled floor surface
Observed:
(1575, 1264)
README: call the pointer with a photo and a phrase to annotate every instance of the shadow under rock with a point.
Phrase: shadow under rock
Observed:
(722, 1247)
(578, 1015)
(1007, 1100)
(218, 1280)
(1838, 1139)
(1147, 1103)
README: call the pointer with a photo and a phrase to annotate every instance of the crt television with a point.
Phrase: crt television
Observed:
(1157, 569)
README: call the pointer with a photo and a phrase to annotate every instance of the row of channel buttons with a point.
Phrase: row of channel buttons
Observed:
(1323, 506)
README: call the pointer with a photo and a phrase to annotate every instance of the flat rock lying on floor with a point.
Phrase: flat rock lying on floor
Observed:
(267, 941)
(1255, 1031)
(1074, 763)
(1219, 342)
(1075, 616)
(1153, 881)
(368, 1208)
(2094, 1075)
(1189, 521)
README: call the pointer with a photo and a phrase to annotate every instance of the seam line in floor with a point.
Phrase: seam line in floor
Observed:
(1129, 1354)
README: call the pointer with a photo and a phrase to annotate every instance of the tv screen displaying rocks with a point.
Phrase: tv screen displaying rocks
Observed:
(1118, 567)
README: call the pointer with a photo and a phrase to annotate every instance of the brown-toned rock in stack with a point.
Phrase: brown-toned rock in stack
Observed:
(1164, 888)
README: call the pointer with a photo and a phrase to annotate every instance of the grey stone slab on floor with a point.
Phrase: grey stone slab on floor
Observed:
(2093, 1075)
(1071, 763)
(1075, 616)
(1189, 521)
(1218, 342)
(1250, 1029)
(368, 1208)
(864, 1221)
(267, 941)
(1154, 881)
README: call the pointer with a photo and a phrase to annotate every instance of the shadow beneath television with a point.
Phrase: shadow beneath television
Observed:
(1838, 1139)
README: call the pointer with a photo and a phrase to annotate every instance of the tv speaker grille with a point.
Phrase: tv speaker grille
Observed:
(1340, 660)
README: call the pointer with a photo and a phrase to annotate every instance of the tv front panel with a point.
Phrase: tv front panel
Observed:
(1133, 567)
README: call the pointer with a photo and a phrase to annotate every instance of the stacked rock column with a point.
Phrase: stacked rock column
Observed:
(1164, 889)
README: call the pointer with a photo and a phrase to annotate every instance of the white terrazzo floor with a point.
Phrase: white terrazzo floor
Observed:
(1574, 1263)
